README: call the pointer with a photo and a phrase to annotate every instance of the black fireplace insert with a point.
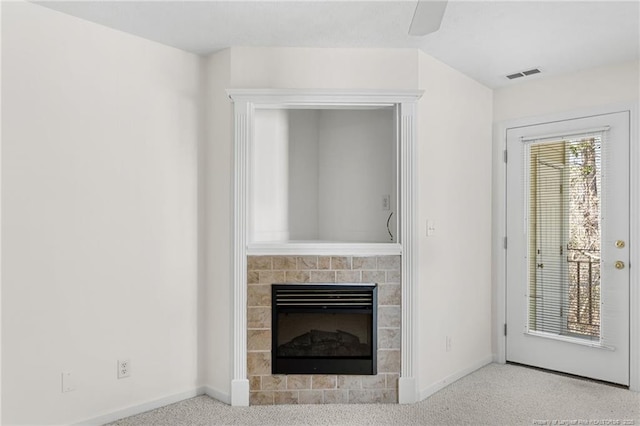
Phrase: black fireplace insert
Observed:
(324, 329)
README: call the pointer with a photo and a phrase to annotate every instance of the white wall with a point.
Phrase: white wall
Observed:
(99, 217)
(321, 174)
(270, 176)
(355, 159)
(454, 163)
(303, 179)
(217, 227)
(282, 67)
(1, 5)
(587, 88)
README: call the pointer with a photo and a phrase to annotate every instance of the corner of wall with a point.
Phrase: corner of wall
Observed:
(1, 6)
(217, 226)
(454, 153)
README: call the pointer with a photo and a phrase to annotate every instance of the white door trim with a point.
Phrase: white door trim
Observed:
(499, 226)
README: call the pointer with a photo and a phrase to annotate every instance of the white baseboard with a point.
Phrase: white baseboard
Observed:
(435, 387)
(216, 394)
(141, 408)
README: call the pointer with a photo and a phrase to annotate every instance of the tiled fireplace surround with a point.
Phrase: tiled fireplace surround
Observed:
(267, 389)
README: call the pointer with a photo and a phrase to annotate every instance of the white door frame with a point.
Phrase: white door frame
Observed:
(499, 226)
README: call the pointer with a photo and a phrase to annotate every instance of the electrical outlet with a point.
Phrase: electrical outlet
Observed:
(124, 368)
(447, 344)
(386, 202)
(431, 228)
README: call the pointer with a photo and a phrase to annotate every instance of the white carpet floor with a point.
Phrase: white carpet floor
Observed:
(493, 395)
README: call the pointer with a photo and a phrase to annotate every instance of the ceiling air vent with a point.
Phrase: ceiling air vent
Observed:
(523, 73)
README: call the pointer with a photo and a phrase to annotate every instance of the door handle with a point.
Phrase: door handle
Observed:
(619, 264)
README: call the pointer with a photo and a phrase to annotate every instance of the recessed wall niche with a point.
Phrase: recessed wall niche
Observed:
(324, 175)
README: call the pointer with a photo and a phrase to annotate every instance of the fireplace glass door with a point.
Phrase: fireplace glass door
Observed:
(324, 329)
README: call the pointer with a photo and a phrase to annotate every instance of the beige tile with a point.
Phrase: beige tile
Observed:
(389, 338)
(336, 396)
(349, 382)
(310, 397)
(373, 396)
(285, 397)
(340, 262)
(255, 383)
(255, 263)
(295, 381)
(252, 277)
(394, 277)
(323, 382)
(347, 276)
(389, 262)
(364, 263)
(374, 277)
(374, 382)
(258, 363)
(259, 340)
(261, 398)
(277, 382)
(307, 262)
(390, 396)
(258, 317)
(324, 262)
(284, 263)
(259, 295)
(389, 316)
(392, 381)
(367, 396)
(388, 361)
(389, 294)
(271, 277)
(297, 276)
(322, 276)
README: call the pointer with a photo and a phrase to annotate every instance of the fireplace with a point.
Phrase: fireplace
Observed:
(324, 329)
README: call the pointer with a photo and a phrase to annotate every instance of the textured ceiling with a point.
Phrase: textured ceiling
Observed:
(484, 39)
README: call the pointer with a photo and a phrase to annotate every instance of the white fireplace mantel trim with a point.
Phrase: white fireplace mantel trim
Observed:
(245, 101)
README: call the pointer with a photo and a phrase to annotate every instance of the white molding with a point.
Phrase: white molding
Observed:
(408, 226)
(499, 222)
(407, 390)
(245, 100)
(142, 408)
(634, 255)
(243, 125)
(217, 395)
(285, 98)
(498, 269)
(240, 392)
(441, 384)
(323, 249)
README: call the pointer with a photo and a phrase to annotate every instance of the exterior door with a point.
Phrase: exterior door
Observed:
(568, 246)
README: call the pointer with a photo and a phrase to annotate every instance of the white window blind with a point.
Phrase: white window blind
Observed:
(563, 193)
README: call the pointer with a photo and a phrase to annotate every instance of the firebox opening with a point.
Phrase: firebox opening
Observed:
(324, 329)
(309, 334)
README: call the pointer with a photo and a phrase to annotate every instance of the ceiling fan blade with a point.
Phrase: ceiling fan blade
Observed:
(427, 17)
